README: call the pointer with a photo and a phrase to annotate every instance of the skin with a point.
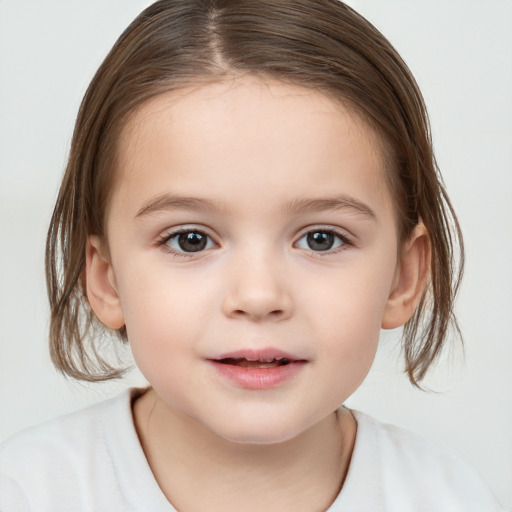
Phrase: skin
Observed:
(252, 148)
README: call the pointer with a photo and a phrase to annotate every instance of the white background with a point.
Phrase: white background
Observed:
(461, 54)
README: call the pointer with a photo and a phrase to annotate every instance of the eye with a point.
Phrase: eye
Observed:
(187, 241)
(322, 240)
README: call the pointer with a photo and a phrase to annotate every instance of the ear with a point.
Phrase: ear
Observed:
(410, 279)
(100, 285)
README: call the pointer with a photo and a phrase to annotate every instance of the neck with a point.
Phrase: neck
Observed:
(198, 470)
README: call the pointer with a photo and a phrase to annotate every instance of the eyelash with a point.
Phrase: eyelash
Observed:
(345, 242)
(163, 241)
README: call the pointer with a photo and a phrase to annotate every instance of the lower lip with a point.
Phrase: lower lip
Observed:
(258, 378)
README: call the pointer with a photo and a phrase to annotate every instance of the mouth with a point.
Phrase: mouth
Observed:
(258, 369)
(259, 358)
(252, 363)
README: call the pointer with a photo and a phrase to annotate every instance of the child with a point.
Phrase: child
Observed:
(251, 195)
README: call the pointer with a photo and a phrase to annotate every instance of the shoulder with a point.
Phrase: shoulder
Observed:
(420, 473)
(61, 437)
(61, 456)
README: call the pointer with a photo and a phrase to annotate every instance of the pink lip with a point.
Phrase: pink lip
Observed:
(258, 378)
(257, 355)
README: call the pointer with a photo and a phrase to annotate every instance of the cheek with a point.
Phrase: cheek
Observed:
(347, 307)
(160, 310)
(352, 295)
(350, 343)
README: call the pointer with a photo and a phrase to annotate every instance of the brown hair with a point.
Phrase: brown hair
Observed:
(321, 44)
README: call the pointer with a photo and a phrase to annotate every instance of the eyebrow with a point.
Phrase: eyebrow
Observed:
(175, 202)
(167, 202)
(333, 203)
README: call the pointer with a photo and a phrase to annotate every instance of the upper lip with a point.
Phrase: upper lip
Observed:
(263, 354)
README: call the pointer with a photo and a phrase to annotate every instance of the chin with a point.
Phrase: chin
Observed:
(257, 432)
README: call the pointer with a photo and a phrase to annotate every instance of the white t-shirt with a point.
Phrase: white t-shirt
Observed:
(92, 460)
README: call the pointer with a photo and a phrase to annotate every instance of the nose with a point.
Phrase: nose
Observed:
(257, 290)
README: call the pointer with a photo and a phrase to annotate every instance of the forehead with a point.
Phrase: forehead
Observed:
(254, 99)
(246, 129)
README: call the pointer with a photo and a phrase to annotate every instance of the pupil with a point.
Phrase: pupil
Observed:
(192, 242)
(320, 241)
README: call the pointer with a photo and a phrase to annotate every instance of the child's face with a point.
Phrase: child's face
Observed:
(249, 169)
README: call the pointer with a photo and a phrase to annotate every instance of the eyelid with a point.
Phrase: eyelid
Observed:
(171, 233)
(346, 238)
(337, 230)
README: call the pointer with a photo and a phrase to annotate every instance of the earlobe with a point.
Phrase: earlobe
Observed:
(410, 279)
(100, 285)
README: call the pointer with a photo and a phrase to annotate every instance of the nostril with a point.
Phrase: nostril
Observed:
(257, 304)
(276, 313)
